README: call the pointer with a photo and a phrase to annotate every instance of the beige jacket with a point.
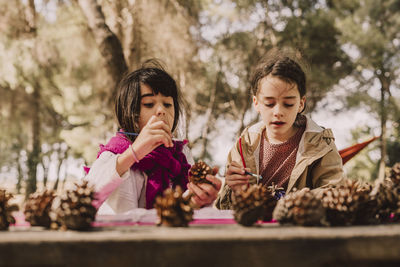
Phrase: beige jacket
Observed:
(318, 162)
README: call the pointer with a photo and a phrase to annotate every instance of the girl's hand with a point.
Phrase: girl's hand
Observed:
(204, 194)
(156, 132)
(235, 177)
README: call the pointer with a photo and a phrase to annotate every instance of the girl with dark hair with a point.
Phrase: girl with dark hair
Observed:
(143, 159)
(285, 148)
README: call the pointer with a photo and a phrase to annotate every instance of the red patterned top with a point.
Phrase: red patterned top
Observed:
(277, 160)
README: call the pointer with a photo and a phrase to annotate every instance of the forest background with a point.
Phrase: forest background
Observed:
(61, 61)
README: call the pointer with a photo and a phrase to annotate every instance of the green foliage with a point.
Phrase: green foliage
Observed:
(319, 39)
(369, 31)
(393, 152)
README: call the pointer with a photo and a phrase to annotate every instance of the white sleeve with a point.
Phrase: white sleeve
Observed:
(188, 153)
(115, 194)
(103, 171)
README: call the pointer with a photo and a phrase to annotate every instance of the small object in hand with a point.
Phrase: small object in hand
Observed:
(38, 207)
(258, 177)
(198, 173)
(128, 133)
(5, 210)
(173, 209)
(75, 210)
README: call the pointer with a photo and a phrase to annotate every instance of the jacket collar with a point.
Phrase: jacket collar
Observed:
(309, 141)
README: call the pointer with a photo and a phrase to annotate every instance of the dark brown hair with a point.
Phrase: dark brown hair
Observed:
(282, 63)
(128, 98)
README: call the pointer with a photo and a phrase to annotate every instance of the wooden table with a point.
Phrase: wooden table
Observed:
(203, 245)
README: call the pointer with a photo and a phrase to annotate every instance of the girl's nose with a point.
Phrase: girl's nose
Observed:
(160, 110)
(277, 111)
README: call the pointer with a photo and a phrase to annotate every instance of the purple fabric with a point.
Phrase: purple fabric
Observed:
(165, 167)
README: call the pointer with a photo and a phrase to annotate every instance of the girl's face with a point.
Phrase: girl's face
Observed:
(159, 105)
(278, 103)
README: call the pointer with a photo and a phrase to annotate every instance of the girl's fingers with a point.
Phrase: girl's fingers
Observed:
(161, 129)
(215, 170)
(151, 120)
(235, 164)
(160, 132)
(237, 177)
(210, 191)
(215, 181)
(234, 170)
(160, 125)
(237, 183)
(161, 135)
(161, 140)
(198, 192)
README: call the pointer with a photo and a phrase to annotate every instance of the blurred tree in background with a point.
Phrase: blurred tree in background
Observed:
(370, 32)
(61, 62)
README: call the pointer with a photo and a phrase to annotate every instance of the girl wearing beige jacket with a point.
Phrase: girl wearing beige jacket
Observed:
(285, 148)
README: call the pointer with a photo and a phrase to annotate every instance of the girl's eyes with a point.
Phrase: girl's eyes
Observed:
(150, 105)
(270, 105)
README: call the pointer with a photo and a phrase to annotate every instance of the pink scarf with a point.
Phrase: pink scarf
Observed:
(165, 167)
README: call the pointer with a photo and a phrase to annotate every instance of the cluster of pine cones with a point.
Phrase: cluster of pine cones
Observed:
(73, 210)
(353, 203)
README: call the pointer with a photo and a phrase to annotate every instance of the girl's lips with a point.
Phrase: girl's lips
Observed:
(278, 123)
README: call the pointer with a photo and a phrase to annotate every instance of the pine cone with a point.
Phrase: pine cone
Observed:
(345, 204)
(198, 173)
(300, 208)
(395, 174)
(249, 204)
(367, 205)
(173, 209)
(75, 210)
(386, 195)
(396, 212)
(5, 210)
(38, 207)
(274, 193)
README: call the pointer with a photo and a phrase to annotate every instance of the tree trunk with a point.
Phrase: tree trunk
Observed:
(46, 166)
(62, 156)
(62, 184)
(20, 174)
(208, 116)
(384, 91)
(108, 43)
(34, 154)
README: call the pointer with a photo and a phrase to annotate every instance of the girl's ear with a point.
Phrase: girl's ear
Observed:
(302, 104)
(255, 102)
